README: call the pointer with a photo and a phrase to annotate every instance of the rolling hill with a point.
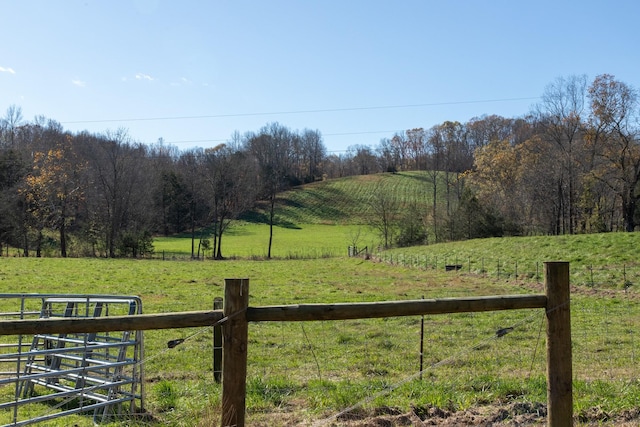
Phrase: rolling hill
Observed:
(346, 200)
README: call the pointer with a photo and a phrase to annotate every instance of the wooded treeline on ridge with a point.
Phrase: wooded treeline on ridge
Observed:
(571, 165)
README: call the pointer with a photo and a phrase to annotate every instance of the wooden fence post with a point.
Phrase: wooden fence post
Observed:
(234, 367)
(217, 344)
(559, 367)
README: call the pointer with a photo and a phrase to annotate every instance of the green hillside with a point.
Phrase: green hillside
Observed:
(347, 200)
(321, 220)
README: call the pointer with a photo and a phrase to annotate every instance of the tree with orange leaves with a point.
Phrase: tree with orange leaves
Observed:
(52, 191)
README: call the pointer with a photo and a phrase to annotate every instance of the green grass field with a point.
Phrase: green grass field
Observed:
(607, 260)
(309, 371)
(250, 240)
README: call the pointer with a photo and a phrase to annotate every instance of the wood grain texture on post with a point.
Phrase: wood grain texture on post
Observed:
(559, 360)
(234, 358)
(217, 343)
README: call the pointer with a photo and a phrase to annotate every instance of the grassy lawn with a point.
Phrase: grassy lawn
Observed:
(308, 371)
(607, 260)
(251, 240)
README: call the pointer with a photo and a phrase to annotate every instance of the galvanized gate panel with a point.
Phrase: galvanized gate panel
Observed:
(88, 372)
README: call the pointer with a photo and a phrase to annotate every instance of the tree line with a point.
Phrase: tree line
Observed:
(107, 195)
(570, 165)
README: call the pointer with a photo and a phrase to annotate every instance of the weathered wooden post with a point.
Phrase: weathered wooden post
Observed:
(559, 364)
(234, 367)
(217, 344)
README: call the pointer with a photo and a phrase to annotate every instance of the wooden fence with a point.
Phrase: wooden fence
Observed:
(236, 314)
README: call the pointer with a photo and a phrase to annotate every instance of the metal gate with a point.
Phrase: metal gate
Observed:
(47, 376)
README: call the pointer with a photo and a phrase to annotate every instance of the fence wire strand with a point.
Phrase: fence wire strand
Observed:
(407, 379)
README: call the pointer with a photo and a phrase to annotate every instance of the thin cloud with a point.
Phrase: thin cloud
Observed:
(181, 82)
(79, 83)
(7, 70)
(141, 76)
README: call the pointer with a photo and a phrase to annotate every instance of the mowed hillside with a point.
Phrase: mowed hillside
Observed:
(347, 200)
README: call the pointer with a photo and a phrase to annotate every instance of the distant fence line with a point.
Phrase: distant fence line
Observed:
(302, 253)
(315, 253)
(619, 276)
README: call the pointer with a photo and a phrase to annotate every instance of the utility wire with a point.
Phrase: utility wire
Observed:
(195, 141)
(326, 110)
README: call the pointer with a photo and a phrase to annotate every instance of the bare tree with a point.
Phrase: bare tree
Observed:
(483, 130)
(313, 154)
(436, 151)
(121, 201)
(9, 126)
(336, 165)
(388, 156)
(363, 160)
(230, 181)
(271, 148)
(417, 144)
(12, 170)
(614, 138)
(562, 110)
(191, 202)
(384, 207)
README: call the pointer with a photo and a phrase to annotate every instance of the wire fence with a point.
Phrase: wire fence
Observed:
(467, 360)
(332, 372)
(292, 254)
(614, 276)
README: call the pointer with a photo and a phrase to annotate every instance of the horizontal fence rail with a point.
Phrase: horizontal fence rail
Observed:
(277, 313)
(138, 322)
(370, 310)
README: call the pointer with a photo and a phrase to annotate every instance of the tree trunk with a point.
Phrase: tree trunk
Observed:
(39, 245)
(218, 232)
(111, 244)
(193, 239)
(628, 212)
(435, 211)
(216, 243)
(63, 240)
(271, 216)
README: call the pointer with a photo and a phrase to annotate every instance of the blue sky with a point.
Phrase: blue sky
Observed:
(193, 72)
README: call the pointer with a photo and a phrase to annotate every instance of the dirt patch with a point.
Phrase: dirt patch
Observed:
(516, 414)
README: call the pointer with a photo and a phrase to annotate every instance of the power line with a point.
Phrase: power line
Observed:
(195, 141)
(327, 110)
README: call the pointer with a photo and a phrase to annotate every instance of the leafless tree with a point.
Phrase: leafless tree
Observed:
(121, 198)
(230, 183)
(384, 207)
(614, 138)
(362, 160)
(313, 154)
(271, 148)
(562, 112)
(9, 126)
